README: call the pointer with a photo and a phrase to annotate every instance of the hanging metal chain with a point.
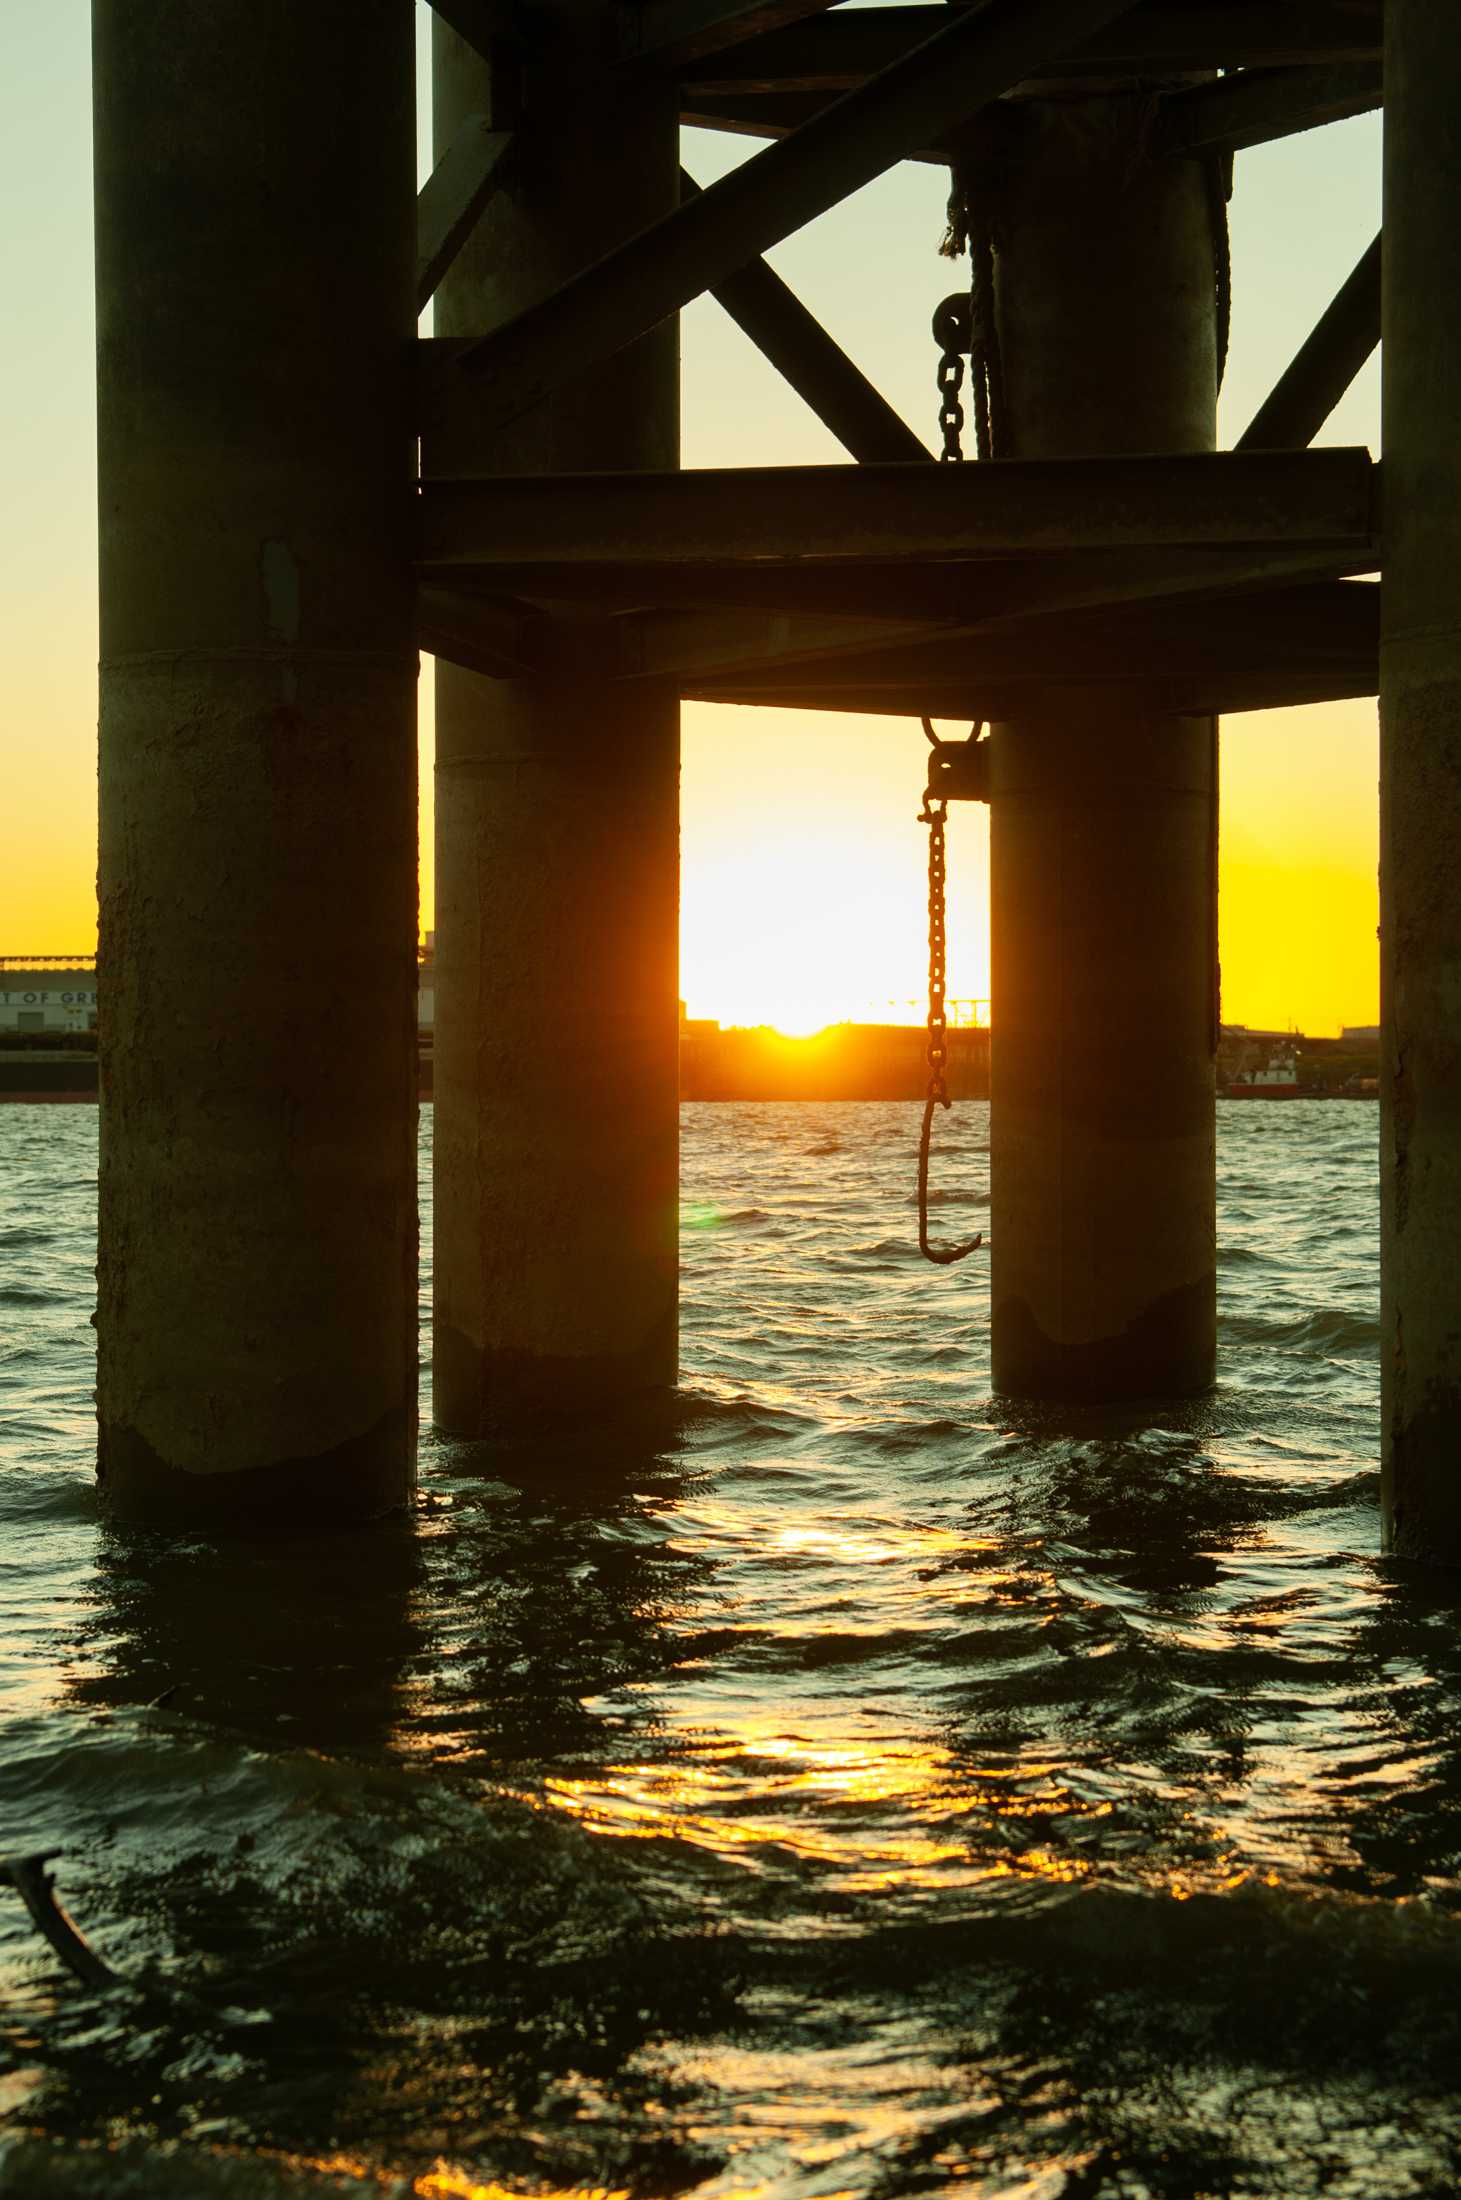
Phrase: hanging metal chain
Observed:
(934, 815)
(960, 325)
(950, 411)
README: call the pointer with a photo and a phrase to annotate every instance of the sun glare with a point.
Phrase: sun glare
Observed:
(805, 889)
(807, 1023)
(804, 881)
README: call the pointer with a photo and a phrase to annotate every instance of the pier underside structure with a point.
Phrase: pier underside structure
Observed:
(1100, 587)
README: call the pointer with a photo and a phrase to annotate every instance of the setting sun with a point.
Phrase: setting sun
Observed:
(804, 893)
(804, 899)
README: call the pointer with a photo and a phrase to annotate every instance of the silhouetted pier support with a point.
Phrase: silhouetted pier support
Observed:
(1420, 787)
(256, 1325)
(1103, 826)
(557, 819)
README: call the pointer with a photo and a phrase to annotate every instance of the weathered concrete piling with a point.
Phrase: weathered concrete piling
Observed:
(1103, 924)
(1420, 787)
(270, 562)
(557, 818)
(255, 238)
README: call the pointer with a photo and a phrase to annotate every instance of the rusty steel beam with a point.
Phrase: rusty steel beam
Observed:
(486, 23)
(686, 616)
(490, 634)
(672, 34)
(1323, 640)
(793, 587)
(1093, 580)
(1259, 105)
(450, 202)
(759, 115)
(1327, 626)
(1253, 107)
(1220, 691)
(945, 597)
(969, 61)
(1324, 366)
(842, 50)
(1247, 653)
(714, 644)
(914, 513)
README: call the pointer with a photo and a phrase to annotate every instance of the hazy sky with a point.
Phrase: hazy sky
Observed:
(803, 867)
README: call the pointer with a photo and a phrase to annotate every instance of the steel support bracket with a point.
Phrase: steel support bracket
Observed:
(958, 771)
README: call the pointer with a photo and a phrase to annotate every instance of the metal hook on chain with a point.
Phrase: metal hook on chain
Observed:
(934, 815)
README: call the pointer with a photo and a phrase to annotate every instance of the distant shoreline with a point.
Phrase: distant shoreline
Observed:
(69, 1079)
(845, 1062)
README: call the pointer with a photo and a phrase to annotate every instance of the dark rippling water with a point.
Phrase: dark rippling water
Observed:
(841, 1784)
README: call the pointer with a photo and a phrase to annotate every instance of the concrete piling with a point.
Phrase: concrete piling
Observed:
(258, 280)
(1102, 826)
(256, 1320)
(1420, 789)
(557, 818)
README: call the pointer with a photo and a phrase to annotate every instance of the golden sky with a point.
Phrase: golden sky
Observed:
(803, 885)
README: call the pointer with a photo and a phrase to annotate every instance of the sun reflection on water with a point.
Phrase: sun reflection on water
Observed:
(841, 1785)
(442, 2181)
(878, 1813)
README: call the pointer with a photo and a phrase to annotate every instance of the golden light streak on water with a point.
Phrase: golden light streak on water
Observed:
(761, 1793)
(443, 2181)
(843, 1783)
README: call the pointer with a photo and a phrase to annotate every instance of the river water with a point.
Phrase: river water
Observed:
(838, 1783)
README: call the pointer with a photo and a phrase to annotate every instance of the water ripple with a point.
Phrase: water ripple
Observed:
(835, 1782)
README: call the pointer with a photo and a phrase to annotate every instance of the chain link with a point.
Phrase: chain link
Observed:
(951, 412)
(934, 815)
(972, 325)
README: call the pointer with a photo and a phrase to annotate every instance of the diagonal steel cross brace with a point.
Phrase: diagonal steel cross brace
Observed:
(797, 345)
(451, 202)
(1324, 365)
(979, 55)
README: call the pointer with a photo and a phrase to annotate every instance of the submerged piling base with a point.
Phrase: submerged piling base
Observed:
(1103, 893)
(256, 1312)
(556, 1163)
(1420, 790)
(557, 1105)
(1102, 1191)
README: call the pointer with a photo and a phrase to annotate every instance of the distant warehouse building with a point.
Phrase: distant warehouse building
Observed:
(46, 993)
(51, 993)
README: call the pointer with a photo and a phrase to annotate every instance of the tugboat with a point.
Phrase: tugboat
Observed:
(1275, 1079)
